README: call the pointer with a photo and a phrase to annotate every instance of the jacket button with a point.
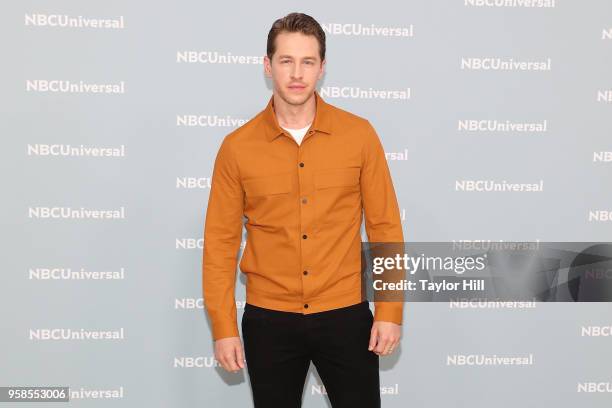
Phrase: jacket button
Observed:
(306, 306)
(304, 200)
(301, 164)
(305, 272)
(304, 236)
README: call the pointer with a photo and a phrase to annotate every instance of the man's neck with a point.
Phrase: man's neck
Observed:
(294, 116)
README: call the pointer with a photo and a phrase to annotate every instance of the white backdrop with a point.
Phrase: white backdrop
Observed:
(112, 114)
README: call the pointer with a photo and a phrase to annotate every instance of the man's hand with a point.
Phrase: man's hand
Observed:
(384, 336)
(228, 352)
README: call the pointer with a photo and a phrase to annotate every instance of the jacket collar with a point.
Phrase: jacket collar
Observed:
(321, 122)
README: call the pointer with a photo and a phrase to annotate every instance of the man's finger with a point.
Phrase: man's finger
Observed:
(231, 361)
(383, 343)
(373, 338)
(240, 356)
(391, 346)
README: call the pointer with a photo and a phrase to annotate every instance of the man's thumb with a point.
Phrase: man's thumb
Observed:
(373, 339)
(239, 356)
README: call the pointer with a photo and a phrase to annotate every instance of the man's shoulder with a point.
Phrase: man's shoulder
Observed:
(344, 117)
(250, 127)
(355, 127)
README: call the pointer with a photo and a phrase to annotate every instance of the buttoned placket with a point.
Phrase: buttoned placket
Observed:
(304, 200)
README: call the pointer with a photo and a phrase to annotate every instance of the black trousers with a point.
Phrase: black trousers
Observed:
(279, 347)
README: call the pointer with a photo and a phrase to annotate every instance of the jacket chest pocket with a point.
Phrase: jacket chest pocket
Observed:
(337, 195)
(268, 200)
(342, 177)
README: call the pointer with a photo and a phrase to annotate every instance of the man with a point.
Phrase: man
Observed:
(301, 171)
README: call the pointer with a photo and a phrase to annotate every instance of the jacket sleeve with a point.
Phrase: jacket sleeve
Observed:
(381, 213)
(222, 238)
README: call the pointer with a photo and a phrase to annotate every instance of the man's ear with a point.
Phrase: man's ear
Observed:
(322, 68)
(267, 66)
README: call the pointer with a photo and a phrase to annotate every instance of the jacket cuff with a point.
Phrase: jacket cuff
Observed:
(225, 329)
(389, 312)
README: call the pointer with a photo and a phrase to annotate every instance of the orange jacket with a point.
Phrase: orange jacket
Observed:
(303, 206)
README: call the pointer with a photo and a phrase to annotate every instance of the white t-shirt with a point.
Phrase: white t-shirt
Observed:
(298, 134)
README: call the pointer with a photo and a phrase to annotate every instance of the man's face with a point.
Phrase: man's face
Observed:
(295, 67)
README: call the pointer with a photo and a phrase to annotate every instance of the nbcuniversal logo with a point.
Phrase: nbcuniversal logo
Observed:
(75, 213)
(66, 21)
(319, 389)
(68, 86)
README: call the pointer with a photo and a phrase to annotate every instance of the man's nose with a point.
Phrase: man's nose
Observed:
(297, 71)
